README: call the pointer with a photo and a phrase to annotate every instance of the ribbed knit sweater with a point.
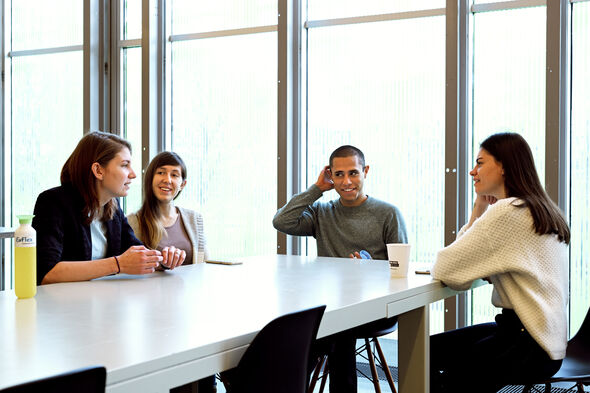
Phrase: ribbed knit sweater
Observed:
(529, 271)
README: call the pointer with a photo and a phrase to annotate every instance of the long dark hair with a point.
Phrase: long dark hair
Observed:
(96, 146)
(150, 214)
(522, 181)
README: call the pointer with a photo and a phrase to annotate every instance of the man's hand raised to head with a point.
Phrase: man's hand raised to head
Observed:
(324, 181)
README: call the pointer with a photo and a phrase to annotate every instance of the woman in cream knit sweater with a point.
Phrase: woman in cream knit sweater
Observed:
(517, 239)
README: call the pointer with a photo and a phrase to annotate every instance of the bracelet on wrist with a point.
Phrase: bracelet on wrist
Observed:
(118, 266)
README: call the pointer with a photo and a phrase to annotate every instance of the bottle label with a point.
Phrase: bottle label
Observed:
(25, 241)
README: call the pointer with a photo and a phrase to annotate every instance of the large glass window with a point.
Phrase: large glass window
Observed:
(40, 119)
(329, 9)
(509, 77)
(223, 120)
(380, 86)
(130, 93)
(44, 120)
(392, 108)
(38, 24)
(508, 93)
(580, 166)
(189, 16)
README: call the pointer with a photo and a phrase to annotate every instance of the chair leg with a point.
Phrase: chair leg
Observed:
(325, 376)
(580, 387)
(224, 378)
(373, 368)
(547, 388)
(316, 373)
(384, 365)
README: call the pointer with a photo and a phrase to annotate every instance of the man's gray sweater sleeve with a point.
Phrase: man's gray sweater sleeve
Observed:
(298, 217)
(396, 228)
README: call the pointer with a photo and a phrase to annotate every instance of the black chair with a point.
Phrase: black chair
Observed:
(576, 365)
(87, 380)
(277, 359)
(370, 333)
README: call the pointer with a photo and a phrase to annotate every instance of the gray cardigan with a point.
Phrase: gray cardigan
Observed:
(193, 224)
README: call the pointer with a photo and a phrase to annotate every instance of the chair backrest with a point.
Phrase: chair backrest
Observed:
(87, 380)
(277, 359)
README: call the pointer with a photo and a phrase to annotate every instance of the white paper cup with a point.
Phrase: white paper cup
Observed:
(399, 259)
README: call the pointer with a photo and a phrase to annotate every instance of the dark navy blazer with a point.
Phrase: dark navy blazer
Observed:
(62, 234)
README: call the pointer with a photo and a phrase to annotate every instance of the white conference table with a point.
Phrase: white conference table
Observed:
(169, 328)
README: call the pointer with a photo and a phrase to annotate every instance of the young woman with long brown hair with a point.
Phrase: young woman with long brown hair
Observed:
(517, 239)
(82, 232)
(159, 223)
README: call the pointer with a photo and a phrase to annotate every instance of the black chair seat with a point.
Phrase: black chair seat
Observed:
(377, 328)
(576, 364)
(574, 368)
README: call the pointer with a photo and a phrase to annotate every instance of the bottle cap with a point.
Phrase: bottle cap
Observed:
(25, 218)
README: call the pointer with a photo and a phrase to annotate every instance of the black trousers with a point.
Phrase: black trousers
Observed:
(341, 351)
(487, 357)
(342, 364)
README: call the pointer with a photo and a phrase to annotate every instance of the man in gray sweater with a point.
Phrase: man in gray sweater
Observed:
(342, 228)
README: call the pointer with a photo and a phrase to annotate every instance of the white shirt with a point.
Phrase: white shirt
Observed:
(98, 237)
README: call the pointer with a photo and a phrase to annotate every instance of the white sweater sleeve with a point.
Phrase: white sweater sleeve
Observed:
(471, 256)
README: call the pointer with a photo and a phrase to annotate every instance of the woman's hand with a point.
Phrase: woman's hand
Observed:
(173, 257)
(480, 206)
(139, 260)
(490, 199)
(482, 202)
